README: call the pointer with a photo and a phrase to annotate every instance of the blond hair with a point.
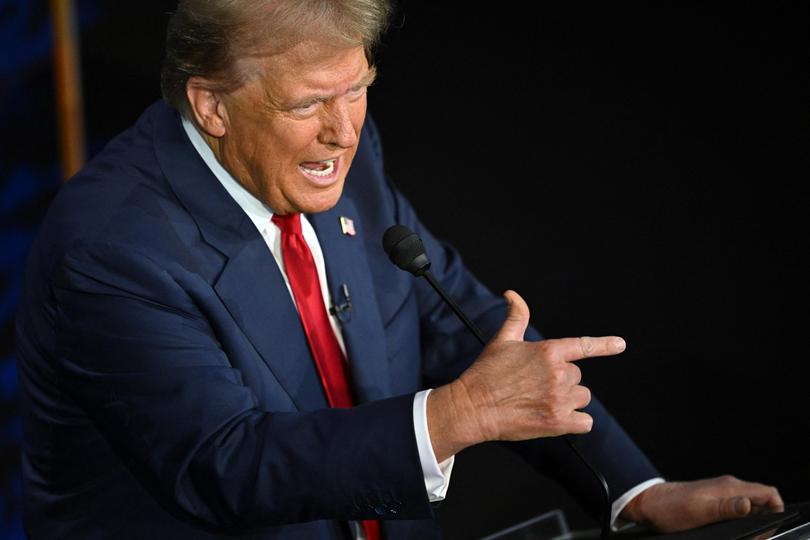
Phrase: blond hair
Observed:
(208, 38)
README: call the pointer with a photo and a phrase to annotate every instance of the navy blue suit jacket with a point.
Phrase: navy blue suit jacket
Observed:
(168, 390)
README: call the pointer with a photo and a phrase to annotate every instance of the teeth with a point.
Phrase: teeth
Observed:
(330, 168)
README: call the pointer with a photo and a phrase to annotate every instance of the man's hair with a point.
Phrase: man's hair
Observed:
(207, 38)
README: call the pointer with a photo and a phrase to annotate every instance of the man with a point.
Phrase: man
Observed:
(213, 343)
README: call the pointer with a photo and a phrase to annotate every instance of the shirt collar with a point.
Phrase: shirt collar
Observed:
(257, 211)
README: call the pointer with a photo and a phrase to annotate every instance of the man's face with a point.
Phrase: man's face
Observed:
(291, 132)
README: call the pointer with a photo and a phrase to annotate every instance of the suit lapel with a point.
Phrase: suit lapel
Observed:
(363, 333)
(253, 290)
(250, 285)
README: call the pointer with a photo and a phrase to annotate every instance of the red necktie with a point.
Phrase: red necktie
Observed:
(306, 289)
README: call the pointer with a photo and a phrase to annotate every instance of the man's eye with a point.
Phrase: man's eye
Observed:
(306, 108)
(357, 93)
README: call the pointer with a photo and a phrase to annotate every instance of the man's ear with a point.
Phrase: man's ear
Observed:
(206, 107)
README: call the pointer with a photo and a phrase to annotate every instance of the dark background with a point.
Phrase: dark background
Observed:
(629, 170)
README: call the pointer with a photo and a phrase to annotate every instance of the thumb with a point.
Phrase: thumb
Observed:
(734, 507)
(517, 319)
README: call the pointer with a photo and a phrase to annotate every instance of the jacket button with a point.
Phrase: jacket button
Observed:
(380, 509)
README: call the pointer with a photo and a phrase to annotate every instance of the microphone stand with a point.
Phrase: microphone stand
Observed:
(606, 512)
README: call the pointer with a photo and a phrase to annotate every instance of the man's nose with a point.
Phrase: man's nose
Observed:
(338, 128)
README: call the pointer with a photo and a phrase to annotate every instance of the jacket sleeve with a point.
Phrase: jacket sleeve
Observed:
(137, 355)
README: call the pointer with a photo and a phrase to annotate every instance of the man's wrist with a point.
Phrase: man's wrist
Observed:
(452, 424)
(633, 511)
(620, 515)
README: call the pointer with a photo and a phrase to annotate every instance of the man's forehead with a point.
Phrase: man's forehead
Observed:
(303, 70)
(314, 61)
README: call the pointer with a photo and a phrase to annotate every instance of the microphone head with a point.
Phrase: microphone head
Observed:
(405, 250)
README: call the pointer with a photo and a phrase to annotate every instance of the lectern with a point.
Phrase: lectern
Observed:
(792, 524)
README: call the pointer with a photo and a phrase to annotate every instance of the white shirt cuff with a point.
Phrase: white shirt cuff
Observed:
(437, 475)
(621, 502)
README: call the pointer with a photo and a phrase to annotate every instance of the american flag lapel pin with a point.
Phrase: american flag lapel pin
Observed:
(347, 226)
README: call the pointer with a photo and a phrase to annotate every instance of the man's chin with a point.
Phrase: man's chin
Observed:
(320, 202)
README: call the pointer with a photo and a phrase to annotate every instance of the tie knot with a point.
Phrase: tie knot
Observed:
(289, 223)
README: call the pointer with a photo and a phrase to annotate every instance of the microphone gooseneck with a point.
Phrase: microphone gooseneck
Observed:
(406, 251)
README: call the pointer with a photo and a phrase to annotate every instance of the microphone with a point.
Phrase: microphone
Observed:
(343, 310)
(406, 251)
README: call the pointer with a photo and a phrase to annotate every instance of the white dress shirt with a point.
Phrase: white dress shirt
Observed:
(436, 475)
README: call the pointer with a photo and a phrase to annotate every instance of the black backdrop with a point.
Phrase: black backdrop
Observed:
(629, 170)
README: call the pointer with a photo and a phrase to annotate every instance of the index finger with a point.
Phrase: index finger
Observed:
(571, 349)
(767, 496)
